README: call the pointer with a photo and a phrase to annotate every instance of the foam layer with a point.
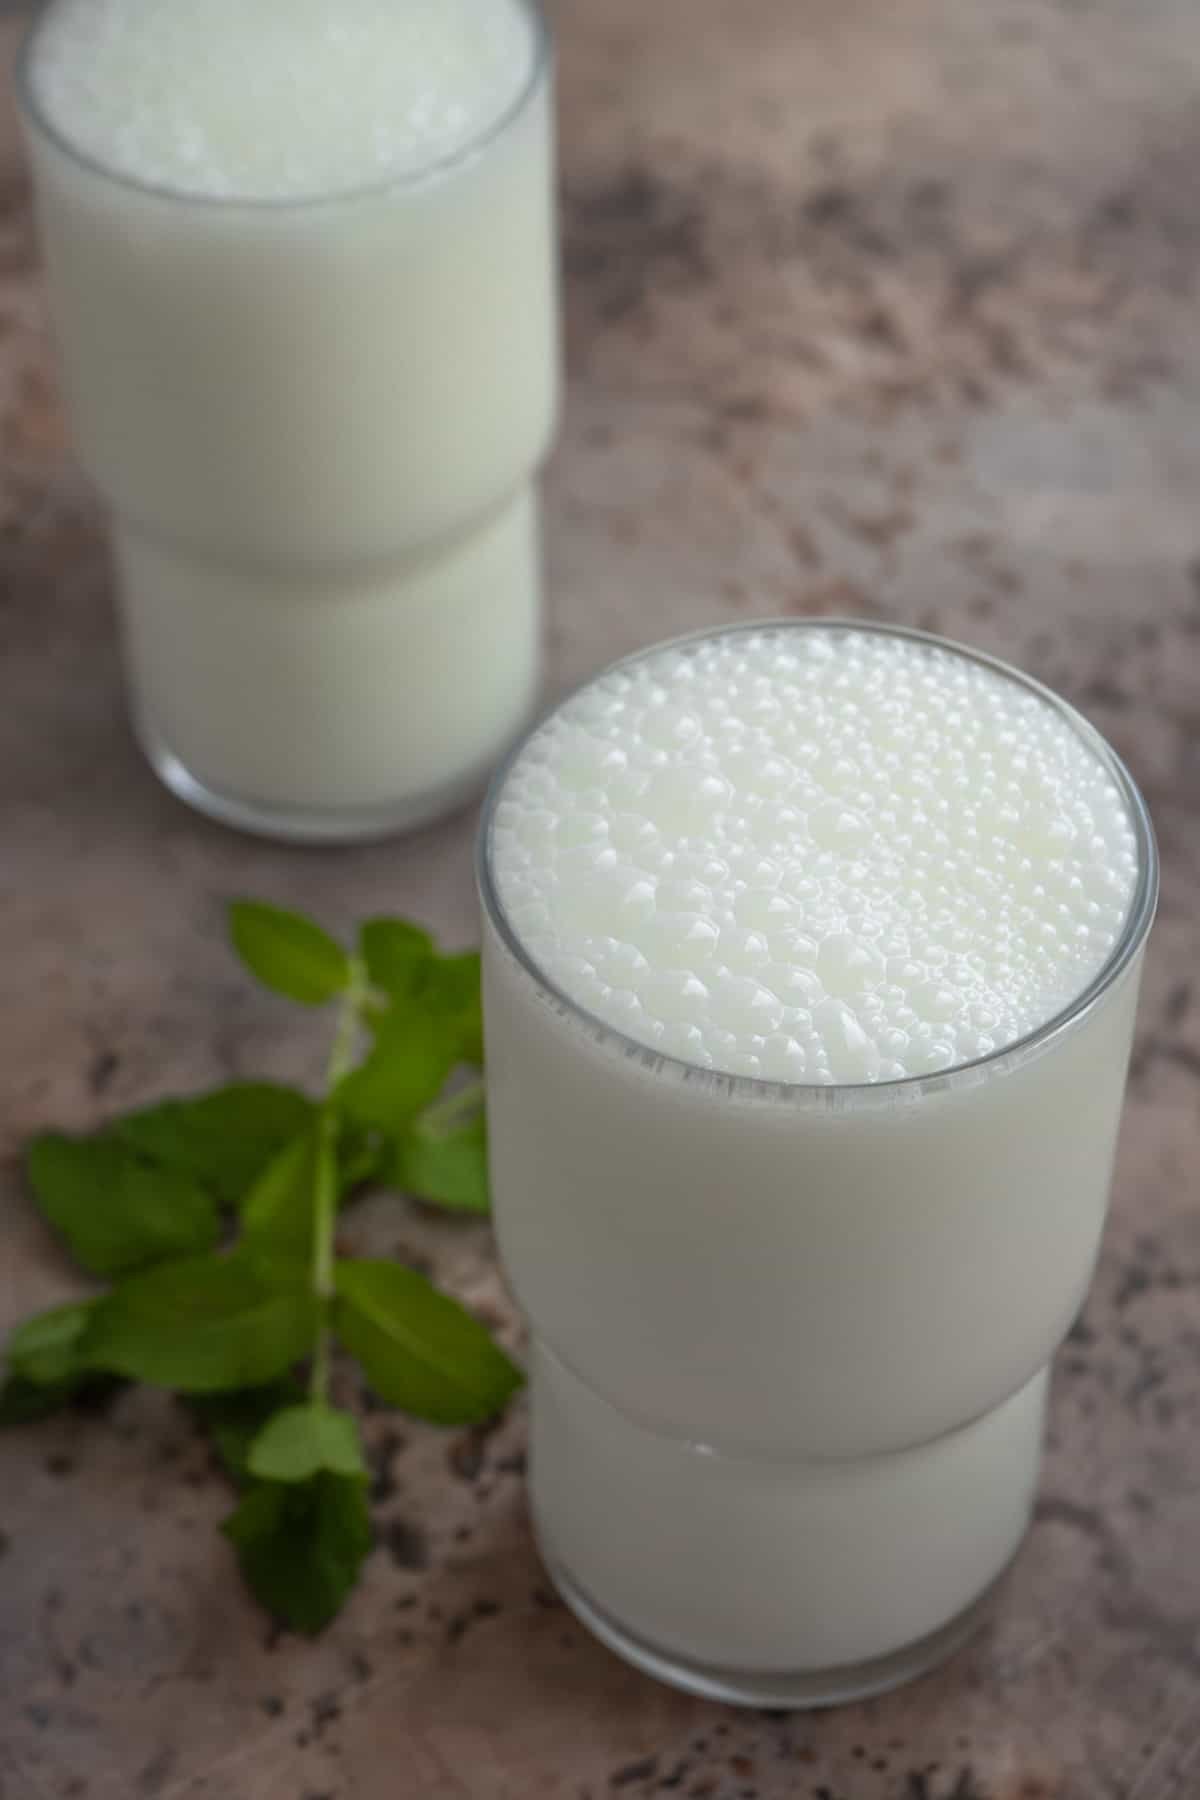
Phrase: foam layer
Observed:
(277, 99)
(814, 855)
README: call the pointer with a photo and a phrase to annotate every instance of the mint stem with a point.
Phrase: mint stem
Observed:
(341, 1058)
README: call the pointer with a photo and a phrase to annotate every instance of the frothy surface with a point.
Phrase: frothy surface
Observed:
(814, 855)
(277, 99)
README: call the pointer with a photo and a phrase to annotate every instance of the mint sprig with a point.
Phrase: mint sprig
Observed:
(223, 1140)
(203, 1326)
(45, 1369)
(234, 1420)
(419, 1349)
(301, 1545)
(115, 1211)
(289, 953)
(299, 1442)
(444, 1157)
(214, 1217)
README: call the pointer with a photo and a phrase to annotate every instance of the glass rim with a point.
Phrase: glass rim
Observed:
(1139, 916)
(39, 123)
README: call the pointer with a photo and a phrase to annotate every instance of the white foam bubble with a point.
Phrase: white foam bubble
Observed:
(277, 99)
(815, 855)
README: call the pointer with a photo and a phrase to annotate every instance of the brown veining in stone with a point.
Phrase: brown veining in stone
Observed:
(882, 307)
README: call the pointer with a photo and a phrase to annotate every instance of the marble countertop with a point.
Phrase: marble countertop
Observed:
(883, 307)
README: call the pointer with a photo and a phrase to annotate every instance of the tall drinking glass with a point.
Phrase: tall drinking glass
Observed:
(316, 415)
(791, 1328)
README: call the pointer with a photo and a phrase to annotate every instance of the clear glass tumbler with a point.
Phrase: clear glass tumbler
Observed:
(790, 1343)
(318, 424)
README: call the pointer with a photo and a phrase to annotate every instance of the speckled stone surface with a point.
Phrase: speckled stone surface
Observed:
(887, 307)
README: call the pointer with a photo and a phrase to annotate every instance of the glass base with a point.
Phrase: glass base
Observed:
(801, 1688)
(302, 825)
(331, 704)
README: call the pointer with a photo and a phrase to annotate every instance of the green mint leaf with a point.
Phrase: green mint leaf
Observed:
(278, 1215)
(453, 990)
(445, 1168)
(403, 963)
(24, 1402)
(46, 1350)
(114, 1212)
(301, 1545)
(288, 953)
(233, 1421)
(406, 1069)
(224, 1139)
(47, 1368)
(302, 1440)
(202, 1326)
(363, 1155)
(419, 1349)
(398, 956)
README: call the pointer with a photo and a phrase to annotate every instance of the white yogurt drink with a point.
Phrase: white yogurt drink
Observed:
(302, 265)
(811, 960)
